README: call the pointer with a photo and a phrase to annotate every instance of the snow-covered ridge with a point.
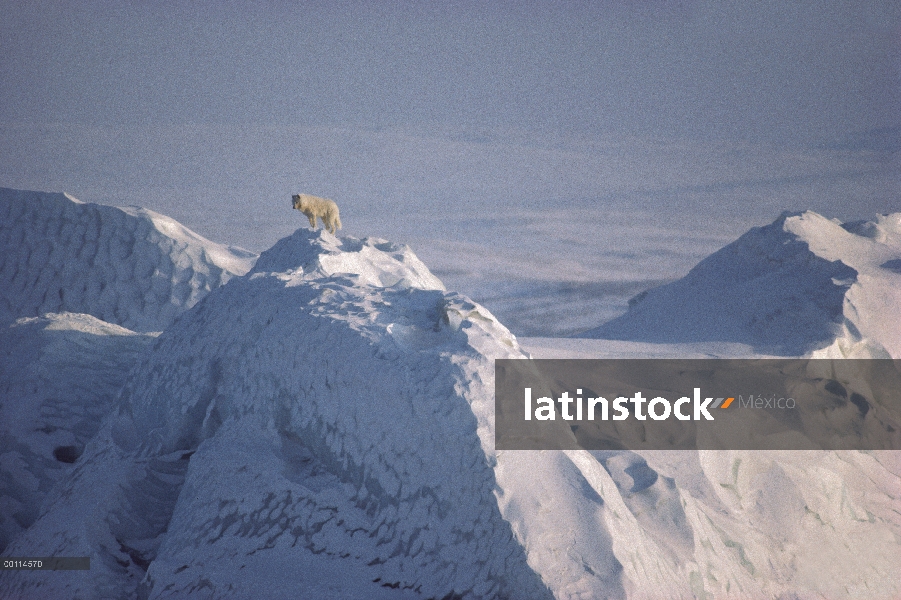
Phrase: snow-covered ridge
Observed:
(323, 427)
(300, 417)
(370, 261)
(128, 266)
(802, 284)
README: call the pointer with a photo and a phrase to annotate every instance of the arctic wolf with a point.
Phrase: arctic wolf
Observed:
(314, 207)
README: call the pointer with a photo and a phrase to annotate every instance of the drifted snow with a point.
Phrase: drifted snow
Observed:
(871, 325)
(128, 266)
(322, 427)
(59, 377)
(803, 284)
(327, 419)
(370, 262)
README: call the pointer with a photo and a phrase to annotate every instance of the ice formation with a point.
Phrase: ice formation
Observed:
(59, 377)
(322, 426)
(128, 266)
(306, 412)
(804, 283)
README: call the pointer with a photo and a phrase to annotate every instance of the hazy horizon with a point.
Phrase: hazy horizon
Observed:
(455, 127)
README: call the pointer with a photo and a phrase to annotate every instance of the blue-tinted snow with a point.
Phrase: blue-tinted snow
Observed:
(330, 412)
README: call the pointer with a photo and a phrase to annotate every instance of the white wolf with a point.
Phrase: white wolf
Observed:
(323, 208)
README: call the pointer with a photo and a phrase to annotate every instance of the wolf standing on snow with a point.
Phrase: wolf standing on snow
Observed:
(323, 208)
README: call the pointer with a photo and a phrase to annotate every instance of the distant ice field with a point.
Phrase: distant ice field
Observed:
(583, 348)
(561, 271)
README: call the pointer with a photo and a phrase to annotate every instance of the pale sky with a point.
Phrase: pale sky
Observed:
(174, 105)
(723, 68)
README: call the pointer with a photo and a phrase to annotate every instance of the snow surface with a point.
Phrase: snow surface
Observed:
(800, 285)
(59, 377)
(322, 426)
(300, 413)
(128, 266)
(597, 348)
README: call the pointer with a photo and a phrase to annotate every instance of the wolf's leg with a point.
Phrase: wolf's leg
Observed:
(312, 221)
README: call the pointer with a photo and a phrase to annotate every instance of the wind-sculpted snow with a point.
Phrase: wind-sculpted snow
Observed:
(295, 421)
(128, 266)
(804, 283)
(372, 262)
(322, 427)
(59, 377)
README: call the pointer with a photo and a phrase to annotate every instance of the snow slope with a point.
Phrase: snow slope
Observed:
(59, 377)
(128, 266)
(299, 414)
(323, 427)
(801, 284)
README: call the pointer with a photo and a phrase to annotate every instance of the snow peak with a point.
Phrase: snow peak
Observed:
(765, 402)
